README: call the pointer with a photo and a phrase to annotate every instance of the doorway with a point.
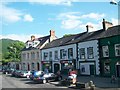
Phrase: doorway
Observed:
(118, 70)
(28, 67)
(92, 71)
(38, 66)
(56, 67)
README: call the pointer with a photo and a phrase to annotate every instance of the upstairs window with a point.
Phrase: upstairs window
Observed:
(37, 55)
(32, 55)
(45, 55)
(56, 55)
(90, 53)
(105, 51)
(62, 54)
(28, 57)
(50, 55)
(82, 53)
(70, 53)
(117, 50)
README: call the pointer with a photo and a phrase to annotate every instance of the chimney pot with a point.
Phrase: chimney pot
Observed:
(106, 24)
(52, 33)
(89, 28)
(32, 37)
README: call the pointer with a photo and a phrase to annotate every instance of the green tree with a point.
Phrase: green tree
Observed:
(13, 52)
(66, 35)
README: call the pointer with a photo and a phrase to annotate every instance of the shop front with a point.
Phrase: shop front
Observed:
(66, 65)
(46, 65)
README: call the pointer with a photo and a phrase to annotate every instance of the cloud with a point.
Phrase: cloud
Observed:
(70, 24)
(93, 16)
(114, 21)
(52, 2)
(12, 15)
(21, 37)
(28, 17)
(76, 20)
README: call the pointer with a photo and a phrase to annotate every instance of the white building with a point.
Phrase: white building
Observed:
(60, 54)
(88, 57)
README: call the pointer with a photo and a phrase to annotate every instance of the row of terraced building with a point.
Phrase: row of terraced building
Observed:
(91, 53)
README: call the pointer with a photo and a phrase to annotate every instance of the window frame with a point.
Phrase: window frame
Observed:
(90, 53)
(104, 51)
(117, 49)
(82, 53)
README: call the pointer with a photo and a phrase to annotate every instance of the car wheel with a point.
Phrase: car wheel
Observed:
(59, 78)
(44, 81)
(27, 76)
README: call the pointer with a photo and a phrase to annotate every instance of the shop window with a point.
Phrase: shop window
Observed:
(117, 50)
(24, 66)
(90, 53)
(68, 65)
(82, 53)
(105, 51)
(82, 68)
(70, 53)
(107, 67)
(33, 65)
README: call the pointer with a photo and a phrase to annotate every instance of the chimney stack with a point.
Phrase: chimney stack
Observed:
(89, 28)
(52, 33)
(106, 24)
(32, 37)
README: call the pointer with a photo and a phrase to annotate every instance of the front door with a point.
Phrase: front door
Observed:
(92, 69)
(28, 67)
(56, 67)
(118, 70)
(38, 66)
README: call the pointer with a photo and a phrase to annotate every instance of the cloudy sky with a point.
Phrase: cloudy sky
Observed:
(22, 19)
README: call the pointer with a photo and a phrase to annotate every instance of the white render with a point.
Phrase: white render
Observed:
(66, 47)
(87, 62)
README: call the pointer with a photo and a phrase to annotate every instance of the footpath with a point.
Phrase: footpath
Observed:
(101, 83)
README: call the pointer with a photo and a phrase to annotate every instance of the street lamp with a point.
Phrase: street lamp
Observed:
(114, 2)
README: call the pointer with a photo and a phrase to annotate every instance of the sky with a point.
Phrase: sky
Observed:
(21, 19)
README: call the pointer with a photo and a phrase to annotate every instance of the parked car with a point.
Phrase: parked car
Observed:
(17, 73)
(35, 74)
(24, 74)
(46, 77)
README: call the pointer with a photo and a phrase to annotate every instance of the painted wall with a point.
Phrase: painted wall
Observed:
(110, 42)
(94, 44)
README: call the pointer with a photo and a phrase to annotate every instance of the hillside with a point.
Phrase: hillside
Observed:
(4, 43)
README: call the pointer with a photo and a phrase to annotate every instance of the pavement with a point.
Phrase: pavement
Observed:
(101, 83)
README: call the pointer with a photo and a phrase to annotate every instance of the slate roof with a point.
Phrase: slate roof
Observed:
(115, 30)
(62, 41)
(42, 41)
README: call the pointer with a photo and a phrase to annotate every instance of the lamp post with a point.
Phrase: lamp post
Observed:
(114, 2)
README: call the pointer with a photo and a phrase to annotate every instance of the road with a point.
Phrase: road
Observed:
(18, 83)
(13, 82)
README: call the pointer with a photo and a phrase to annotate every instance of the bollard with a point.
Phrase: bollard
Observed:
(92, 86)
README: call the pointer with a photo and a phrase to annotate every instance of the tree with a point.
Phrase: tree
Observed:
(66, 35)
(13, 52)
